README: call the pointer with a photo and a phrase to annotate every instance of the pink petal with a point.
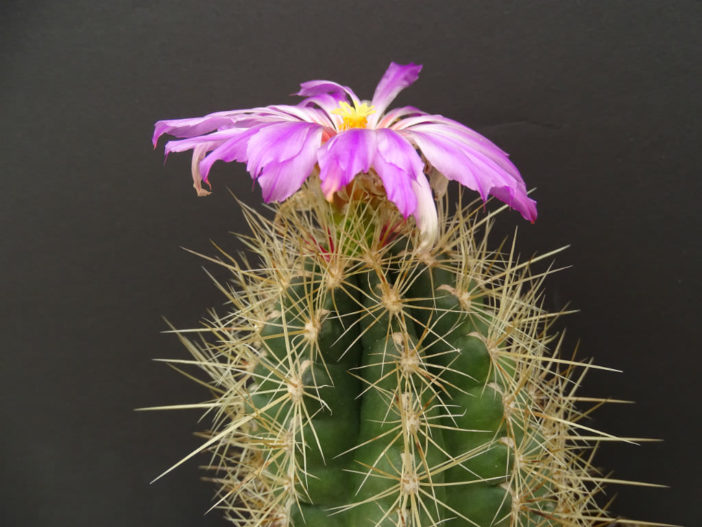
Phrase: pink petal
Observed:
(279, 180)
(344, 156)
(277, 143)
(325, 101)
(396, 78)
(232, 150)
(327, 104)
(439, 125)
(449, 159)
(518, 200)
(397, 165)
(215, 139)
(193, 126)
(316, 87)
(480, 166)
(300, 113)
(390, 117)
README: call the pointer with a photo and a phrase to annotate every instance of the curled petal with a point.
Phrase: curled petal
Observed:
(344, 156)
(439, 184)
(327, 103)
(307, 114)
(394, 115)
(395, 79)
(198, 154)
(336, 90)
(200, 147)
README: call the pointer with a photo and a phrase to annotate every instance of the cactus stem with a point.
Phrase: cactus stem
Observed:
(358, 380)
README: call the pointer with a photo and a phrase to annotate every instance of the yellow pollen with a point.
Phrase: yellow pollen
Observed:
(355, 116)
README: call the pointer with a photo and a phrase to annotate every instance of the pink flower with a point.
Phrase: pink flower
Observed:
(332, 129)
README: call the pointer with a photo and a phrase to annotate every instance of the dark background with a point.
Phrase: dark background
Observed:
(597, 102)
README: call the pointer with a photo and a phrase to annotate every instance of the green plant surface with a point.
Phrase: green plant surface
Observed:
(359, 379)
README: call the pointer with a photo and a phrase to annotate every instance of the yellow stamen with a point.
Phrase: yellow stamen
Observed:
(355, 116)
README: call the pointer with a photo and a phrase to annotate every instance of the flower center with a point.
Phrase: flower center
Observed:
(355, 116)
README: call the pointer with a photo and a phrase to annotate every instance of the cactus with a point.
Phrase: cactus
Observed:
(357, 381)
(373, 371)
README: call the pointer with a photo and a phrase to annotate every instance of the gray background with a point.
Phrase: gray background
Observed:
(597, 102)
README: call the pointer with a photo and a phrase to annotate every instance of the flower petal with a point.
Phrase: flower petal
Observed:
(214, 139)
(451, 161)
(396, 78)
(198, 126)
(438, 124)
(232, 150)
(393, 115)
(475, 145)
(344, 156)
(277, 143)
(198, 154)
(193, 126)
(280, 179)
(397, 165)
(334, 89)
(518, 200)
(308, 114)
(326, 103)
(474, 162)
(425, 215)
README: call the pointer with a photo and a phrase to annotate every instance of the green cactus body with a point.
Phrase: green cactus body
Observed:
(361, 381)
